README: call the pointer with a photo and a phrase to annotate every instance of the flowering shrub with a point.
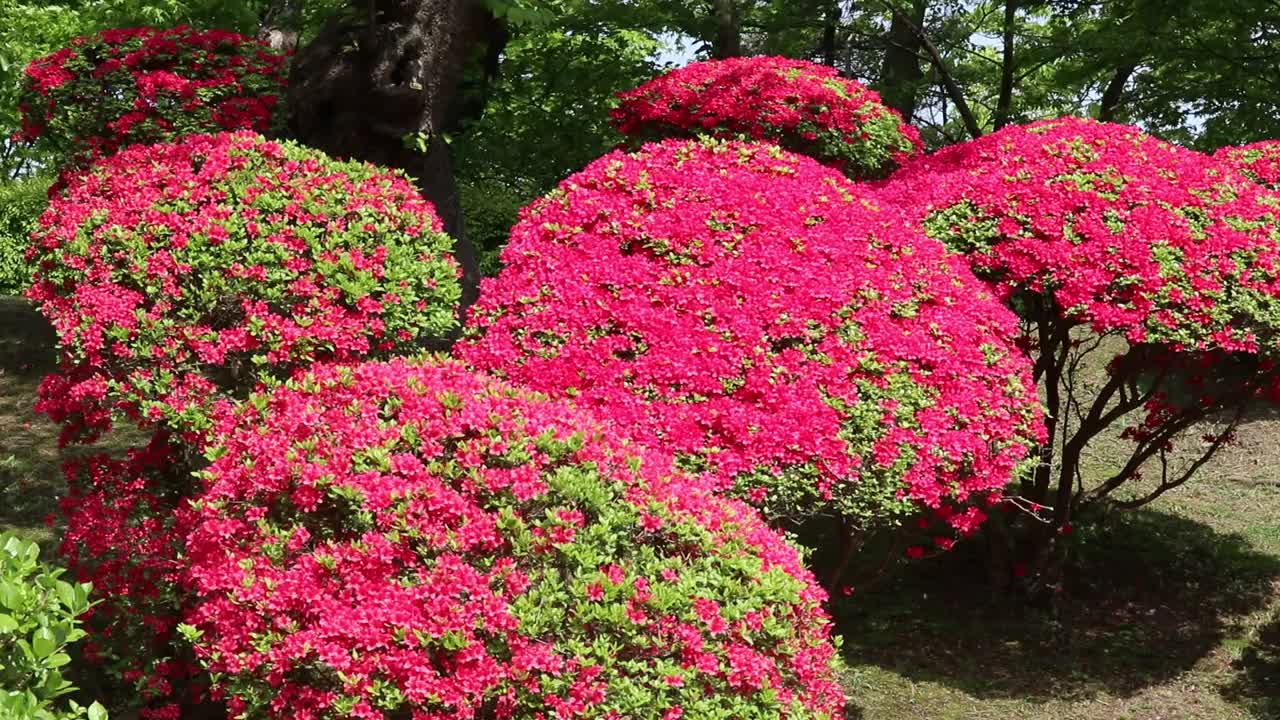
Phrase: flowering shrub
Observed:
(1166, 255)
(39, 614)
(1259, 161)
(749, 310)
(804, 107)
(173, 273)
(125, 522)
(392, 539)
(144, 85)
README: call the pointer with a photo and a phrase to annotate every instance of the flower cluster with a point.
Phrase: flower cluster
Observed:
(754, 313)
(145, 85)
(804, 107)
(1259, 161)
(126, 518)
(176, 273)
(1123, 232)
(395, 539)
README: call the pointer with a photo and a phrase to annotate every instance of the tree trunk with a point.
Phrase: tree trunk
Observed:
(1114, 94)
(830, 27)
(280, 24)
(900, 75)
(728, 41)
(379, 85)
(1008, 66)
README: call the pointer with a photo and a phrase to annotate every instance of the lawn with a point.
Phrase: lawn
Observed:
(1171, 613)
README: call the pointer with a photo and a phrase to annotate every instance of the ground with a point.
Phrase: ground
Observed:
(1171, 613)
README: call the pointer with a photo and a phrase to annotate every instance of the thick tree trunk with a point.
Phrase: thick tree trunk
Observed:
(830, 27)
(728, 42)
(379, 85)
(900, 75)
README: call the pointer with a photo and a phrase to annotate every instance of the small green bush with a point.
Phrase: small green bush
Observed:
(21, 202)
(39, 619)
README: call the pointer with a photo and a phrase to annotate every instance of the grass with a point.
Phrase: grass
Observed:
(1171, 612)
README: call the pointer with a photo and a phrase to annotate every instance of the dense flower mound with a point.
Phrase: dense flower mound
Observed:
(1259, 161)
(397, 539)
(1122, 231)
(804, 107)
(144, 85)
(748, 310)
(173, 272)
(126, 518)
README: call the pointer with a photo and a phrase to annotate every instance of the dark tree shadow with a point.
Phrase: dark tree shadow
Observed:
(1257, 683)
(1149, 595)
(26, 339)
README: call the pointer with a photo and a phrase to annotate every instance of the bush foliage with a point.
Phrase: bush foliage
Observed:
(178, 273)
(21, 203)
(804, 107)
(396, 539)
(755, 313)
(143, 85)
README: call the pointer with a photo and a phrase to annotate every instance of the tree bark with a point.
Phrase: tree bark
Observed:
(830, 27)
(900, 75)
(1113, 96)
(728, 42)
(380, 80)
(948, 80)
(1008, 66)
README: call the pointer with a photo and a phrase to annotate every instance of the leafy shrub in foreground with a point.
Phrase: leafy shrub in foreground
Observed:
(754, 313)
(39, 620)
(143, 85)
(392, 539)
(175, 274)
(804, 107)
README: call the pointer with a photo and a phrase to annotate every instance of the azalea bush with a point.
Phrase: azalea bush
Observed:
(804, 107)
(125, 520)
(39, 621)
(145, 85)
(397, 538)
(1259, 161)
(1104, 239)
(754, 313)
(175, 274)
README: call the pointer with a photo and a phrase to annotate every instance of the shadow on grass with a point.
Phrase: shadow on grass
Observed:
(1257, 683)
(1150, 594)
(30, 481)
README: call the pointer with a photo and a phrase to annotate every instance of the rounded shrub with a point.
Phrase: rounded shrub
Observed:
(176, 273)
(396, 539)
(802, 106)
(1119, 230)
(1259, 161)
(1105, 239)
(39, 621)
(754, 313)
(144, 85)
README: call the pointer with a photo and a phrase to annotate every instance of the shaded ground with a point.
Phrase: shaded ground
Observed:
(1172, 613)
(29, 478)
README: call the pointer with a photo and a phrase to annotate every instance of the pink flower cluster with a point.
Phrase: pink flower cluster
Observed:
(405, 540)
(126, 520)
(804, 107)
(1258, 161)
(758, 315)
(177, 273)
(1121, 231)
(145, 85)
